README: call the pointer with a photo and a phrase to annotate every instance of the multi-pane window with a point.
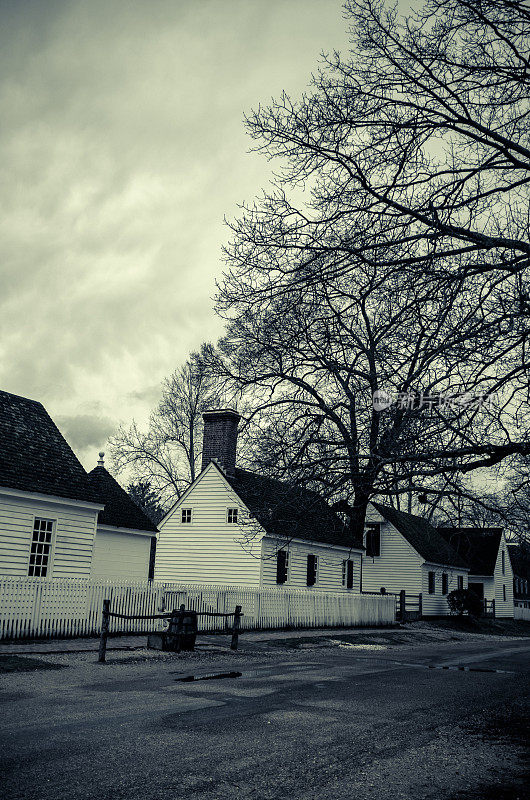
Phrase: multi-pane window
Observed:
(460, 580)
(41, 545)
(282, 566)
(186, 516)
(347, 573)
(373, 539)
(231, 516)
(312, 569)
(445, 583)
(432, 583)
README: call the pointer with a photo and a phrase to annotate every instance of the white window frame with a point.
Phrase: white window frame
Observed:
(51, 551)
(185, 511)
(229, 512)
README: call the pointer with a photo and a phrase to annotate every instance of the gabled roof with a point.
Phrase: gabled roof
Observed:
(120, 510)
(479, 547)
(34, 456)
(288, 511)
(422, 536)
(520, 560)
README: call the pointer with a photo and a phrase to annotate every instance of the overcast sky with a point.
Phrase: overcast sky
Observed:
(121, 149)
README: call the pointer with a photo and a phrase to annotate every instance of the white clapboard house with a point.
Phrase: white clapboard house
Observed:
(57, 521)
(406, 553)
(237, 528)
(487, 555)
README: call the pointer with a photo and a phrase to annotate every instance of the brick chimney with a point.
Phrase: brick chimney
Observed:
(220, 438)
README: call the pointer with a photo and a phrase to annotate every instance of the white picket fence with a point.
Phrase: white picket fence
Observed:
(61, 608)
(521, 613)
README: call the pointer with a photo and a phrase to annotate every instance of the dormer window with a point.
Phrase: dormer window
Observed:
(186, 516)
(232, 516)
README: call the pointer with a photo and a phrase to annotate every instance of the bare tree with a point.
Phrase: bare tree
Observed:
(422, 127)
(167, 454)
(401, 265)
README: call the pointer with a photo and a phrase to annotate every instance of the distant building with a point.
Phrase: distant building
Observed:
(56, 521)
(235, 527)
(406, 553)
(490, 570)
(520, 560)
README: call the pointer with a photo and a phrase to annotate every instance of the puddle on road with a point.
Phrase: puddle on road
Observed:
(212, 676)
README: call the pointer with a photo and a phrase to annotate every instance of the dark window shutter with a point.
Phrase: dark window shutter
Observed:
(152, 554)
(445, 583)
(349, 576)
(373, 541)
(432, 584)
(281, 566)
(311, 570)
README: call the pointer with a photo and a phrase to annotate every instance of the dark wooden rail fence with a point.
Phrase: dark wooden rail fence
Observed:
(176, 624)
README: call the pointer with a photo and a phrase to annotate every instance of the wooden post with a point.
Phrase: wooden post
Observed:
(420, 605)
(180, 625)
(235, 629)
(402, 603)
(104, 632)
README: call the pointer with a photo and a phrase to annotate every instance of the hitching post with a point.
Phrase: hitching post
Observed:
(180, 627)
(235, 629)
(104, 632)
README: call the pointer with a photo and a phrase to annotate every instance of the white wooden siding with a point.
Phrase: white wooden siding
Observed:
(208, 550)
(73, 536)
(503, 608)
(329, 572)
(119, 555)
(399, 567)
(436, 604)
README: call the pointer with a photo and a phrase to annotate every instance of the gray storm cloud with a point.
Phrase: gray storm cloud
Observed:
(121, 150)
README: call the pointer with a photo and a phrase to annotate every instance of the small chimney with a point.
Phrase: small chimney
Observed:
(220, 438)
(101, 462)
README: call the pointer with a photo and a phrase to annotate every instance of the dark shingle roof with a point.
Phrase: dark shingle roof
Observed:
(520, 560)
(289, 511)
(423, 536)
(34, 456)
(120, 510)
(478, 547)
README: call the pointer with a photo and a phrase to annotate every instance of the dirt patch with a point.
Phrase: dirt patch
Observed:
(22, 664)
(511, 725)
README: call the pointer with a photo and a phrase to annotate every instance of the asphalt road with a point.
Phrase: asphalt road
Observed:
(441, 721)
